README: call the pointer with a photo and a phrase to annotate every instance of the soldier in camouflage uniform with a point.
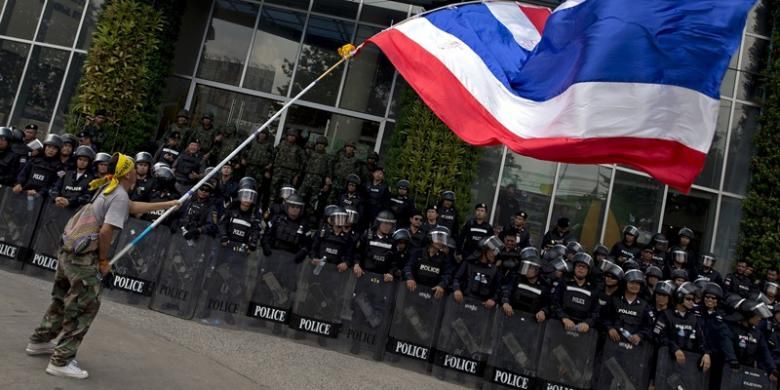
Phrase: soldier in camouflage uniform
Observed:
(367, 168)
(258, 161)
(317, 171)
(288, 161)
(224, 143)
(204, 133)
(182, 125)
(345, 164)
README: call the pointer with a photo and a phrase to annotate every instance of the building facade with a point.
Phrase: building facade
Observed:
(242, 60)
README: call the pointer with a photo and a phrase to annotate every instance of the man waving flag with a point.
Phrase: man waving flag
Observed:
(595, 81)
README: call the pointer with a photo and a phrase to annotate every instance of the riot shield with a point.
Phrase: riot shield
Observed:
(46, 241)
(18, 217)
(226, 284)
(517, 341)
(671, 376)
(414, 328)
(321, 297)
(625, 366)
(135, 274)
(464, 343)
(272, 299)
(567, 358)
(367, 320)
(744, 378)
(180, 281)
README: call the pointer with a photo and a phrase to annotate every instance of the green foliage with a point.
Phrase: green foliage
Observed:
(125, 70)
(759, 242)
(426, 152)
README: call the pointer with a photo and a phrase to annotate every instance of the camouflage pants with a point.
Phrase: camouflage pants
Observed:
(312, 184)
(281, 177)
(75, 303)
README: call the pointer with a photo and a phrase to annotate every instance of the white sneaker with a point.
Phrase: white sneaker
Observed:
(70, 370)
(40, 348)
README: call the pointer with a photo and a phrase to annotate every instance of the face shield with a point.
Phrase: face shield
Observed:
(493, 244)
(339, 218)
(285, 192)
(247, 195)
(680, 257)
(762, 310)
(661, 245)
(352, 216)
(707, 261)
(527, 265)
(771, 288)
(439, 237)
(605, 264)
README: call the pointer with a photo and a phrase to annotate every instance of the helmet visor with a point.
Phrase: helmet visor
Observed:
(247, 195)
(439, 237)
(605, 265)
(285, 192)
(707, 261)
(352, 216)
(526, 266)
(771, 288)
(680, 257)
(762, 310)
(339, 218)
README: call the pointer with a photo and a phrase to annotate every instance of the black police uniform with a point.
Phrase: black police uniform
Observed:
(712, 275)
(377, 199)
(184, 166)
(472, 233)
(198, 216)
(402, 207)
(523, 235)
(286, 235)
(680, 331)
(621, 249)
(633, 317)
(429, 270)
(9, 166)
(751, 348)
(39, 174)
(554, 237)
(160, 193)
(448, 217)
(142, 190)
(74, 188)
(418, 238)
(478, 280)
(578, 303)
(352, 200)
(738, 284)
(335, 248)
(526, 296)
(240, 230)
(376, 253)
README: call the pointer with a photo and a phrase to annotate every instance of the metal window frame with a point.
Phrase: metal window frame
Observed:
(497, 189)
(609, 203)
(251, 47)
(27, 64)
(552, 197)
(191, 92)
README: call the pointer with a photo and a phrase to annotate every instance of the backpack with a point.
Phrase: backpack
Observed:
(82, 230)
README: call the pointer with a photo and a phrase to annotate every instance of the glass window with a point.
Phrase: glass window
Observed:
(728, 233)
(713, 166)
(370, 75)
(174, 97)
(21, 18)
(12, 58)
(90, 21)
(695, 211)
(483, 188)
(636, 200)
(337, 128)
(758, 19)
(323, 38)
(400, 87)
(744, 127)
(246, 112)
(729, 80)
(581, 197)
(750, 87)
(300, 4)
(385, 13)
(275, 48)
(227, 41)
(38, 95)
(754, 54)
(341, 8)
(526, 185)
(193, 24)
(68, 91)
(60, 22)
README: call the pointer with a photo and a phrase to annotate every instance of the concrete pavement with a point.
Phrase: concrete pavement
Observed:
(130, 348)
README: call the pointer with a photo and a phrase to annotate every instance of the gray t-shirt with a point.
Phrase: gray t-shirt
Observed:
(114, 208)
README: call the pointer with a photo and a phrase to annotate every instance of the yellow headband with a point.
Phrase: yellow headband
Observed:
(124, 165)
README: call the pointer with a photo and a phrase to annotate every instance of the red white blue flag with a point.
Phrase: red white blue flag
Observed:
(594, 81)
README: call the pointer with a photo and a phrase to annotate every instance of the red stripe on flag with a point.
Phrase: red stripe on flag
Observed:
(668, 161)
(537, 15)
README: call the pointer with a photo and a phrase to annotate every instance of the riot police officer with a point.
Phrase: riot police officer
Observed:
(287, 231)
(609, 288)
(706, 269)
(685, 238)
(163, 190)
(575, 301)
(653, 275)
(240, 225)
(510, 257)
(662, 294)
(9, 161)
(518, 229)
(416, 229)
(448, 215)
(199, 214)
(474, 231)
(332, 244)
(377, 195)
(375, 249)
(69, 144)
(101, 164)
(431, 266)
(525, 290)
(41, 172)
(679, 276)
(627, 248)
(678, 260)
(749, 342)
(143, 185)
(72, 190)
(628, 314)
(402, 249)
(738, 282)
(351, 197)
(401, 204)
(660, 246)
(480, 279)
(680, 330)
(715, 329)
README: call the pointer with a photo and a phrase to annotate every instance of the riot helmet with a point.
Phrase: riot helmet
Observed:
(664, 287)
(527, 265)
(606, 263)
(53, 140)
(162, 172)
(71, 139)
(352, 215)
(708, 260)
(631, 230)
(600, 250)
(634, 275)
(771, 288)
(684, 290)
(659, 242)
(85, 151)
(247, 183)
(403, 184)
(7, 134)
(686, 232)
(653, 271)
(247, 195)
(294, 200)
(144, 157)
(556, 251)
(679, 274)
(329, 210)
(615, 271)
(712, 288)
(448, 195)
(680, 256)
(491, 243)
(528, 253)
(105, 158)
(286, 191)
(439, 235)
(559, 265)
(630, 264)
(338, 217)
(402, 235)
(353, 179)
(386, 217)
(583, 258)
(573, 247)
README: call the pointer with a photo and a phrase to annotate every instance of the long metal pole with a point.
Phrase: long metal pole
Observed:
(233, 154)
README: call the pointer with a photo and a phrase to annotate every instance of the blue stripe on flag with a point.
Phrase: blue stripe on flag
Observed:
(476, 26)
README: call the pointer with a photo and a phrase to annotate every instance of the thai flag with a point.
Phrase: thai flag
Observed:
(634, 82)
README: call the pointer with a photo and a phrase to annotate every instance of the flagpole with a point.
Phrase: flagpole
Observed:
(346, 52)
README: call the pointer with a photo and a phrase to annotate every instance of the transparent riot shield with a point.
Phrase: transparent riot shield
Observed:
(180, 281)
(226, 285)
(272, 299)
(46, 241)
(135, 274)
(464, 343)
(322, 295)
(745, 378)
(414, 328)
(625, 366)
(367, 318)
(18, 217)
(517, 341)
(669, 375)
(567, 358)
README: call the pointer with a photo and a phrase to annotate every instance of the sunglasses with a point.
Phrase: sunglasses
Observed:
(417, 219)
(710, 297)
(688, 298)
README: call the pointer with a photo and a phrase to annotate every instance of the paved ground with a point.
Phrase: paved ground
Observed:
(129, 348)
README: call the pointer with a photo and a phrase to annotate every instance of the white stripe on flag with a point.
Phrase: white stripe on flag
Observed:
(568, 4)
(515, 20)
(585, 110)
